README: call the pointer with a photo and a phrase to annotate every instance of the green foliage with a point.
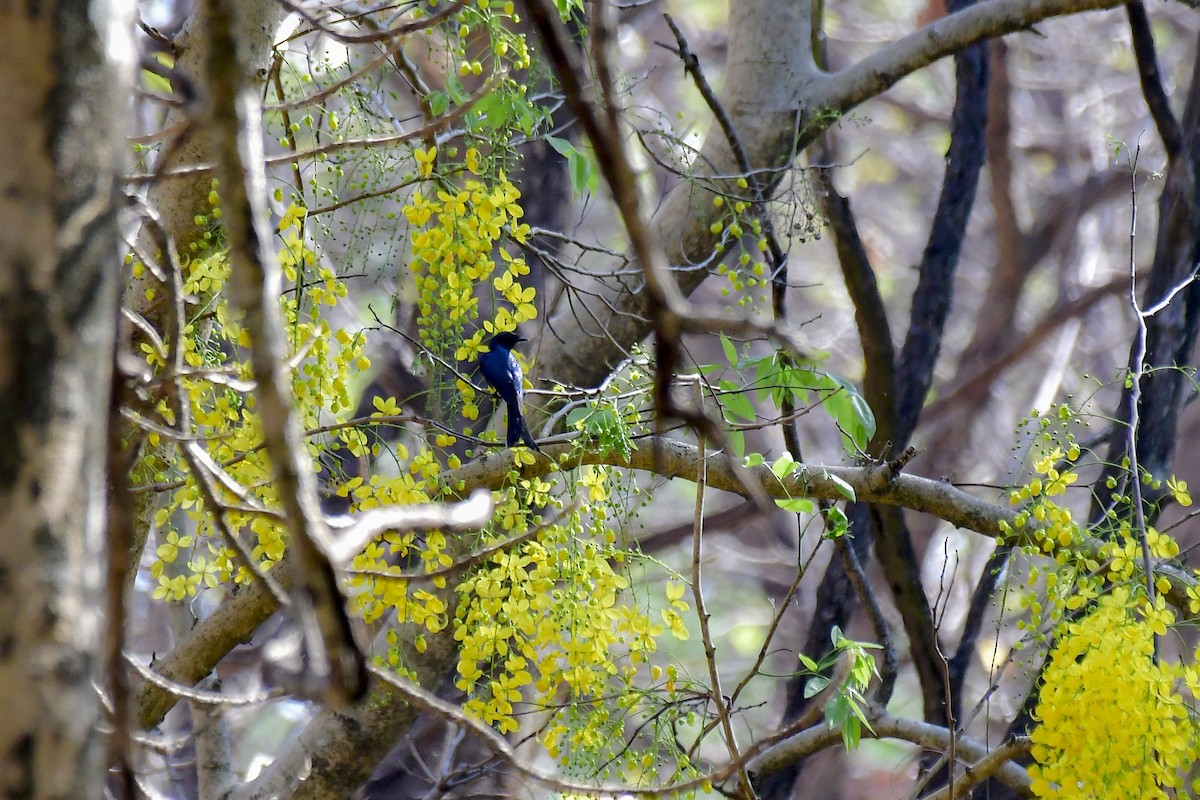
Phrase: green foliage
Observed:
(584, 179)
(846, 709)
(600, 421)
(775, 378)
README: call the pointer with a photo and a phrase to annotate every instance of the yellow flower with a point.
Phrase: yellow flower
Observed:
(425, 160)
(385, 407)
(1179, 490)
(293, 217)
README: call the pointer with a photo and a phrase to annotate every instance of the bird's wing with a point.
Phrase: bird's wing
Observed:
(516, 376)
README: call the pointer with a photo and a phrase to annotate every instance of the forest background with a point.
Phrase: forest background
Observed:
(860, 361)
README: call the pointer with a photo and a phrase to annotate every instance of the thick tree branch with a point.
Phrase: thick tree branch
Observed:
(237, 618)
(927, 735)
(914, 370)
(951, 34)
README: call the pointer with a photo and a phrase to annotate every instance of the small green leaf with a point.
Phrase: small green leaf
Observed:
(730, 350)
(738, 404)
(603, 424)
(579, 168)
(754, 459)
(783, 465)
(561, 146)
(493, 111)
(837, 711)
(796, 505)
(815, 686)
(581, 173)
(851, 733)
(846, 489)
(737, 443)
(439, 103)
(837, 523)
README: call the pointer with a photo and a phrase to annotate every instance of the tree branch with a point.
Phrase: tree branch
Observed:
(1151, 79)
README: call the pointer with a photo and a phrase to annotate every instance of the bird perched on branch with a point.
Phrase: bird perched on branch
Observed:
(502, 372)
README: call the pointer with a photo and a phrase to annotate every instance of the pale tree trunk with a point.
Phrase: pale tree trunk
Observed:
(179, 200)
(63, 95)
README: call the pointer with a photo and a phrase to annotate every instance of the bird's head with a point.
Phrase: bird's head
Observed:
(506, 340)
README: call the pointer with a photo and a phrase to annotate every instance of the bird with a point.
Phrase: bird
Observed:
(502, 372)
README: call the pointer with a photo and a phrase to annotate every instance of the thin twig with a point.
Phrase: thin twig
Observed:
(191, 452)
(197, 695)
(1135, 394)
(710, 653)
(866, 595)
(473, 558)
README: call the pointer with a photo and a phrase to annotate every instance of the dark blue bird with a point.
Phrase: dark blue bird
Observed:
(502, 372)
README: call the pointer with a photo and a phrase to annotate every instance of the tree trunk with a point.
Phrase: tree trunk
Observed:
(59, 271)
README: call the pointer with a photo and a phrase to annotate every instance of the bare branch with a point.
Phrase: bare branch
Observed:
(474, 512)
(927, 735)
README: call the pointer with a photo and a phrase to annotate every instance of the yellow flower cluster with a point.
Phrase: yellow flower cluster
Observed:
(1113, 720)
(459, 228)
(1110, 721)
(223, 415)
(750, 268)
(544, 616)
(1042, 520)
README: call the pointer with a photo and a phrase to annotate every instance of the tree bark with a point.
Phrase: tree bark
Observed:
(58, 309)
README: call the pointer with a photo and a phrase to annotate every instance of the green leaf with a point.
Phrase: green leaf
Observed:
(156, 82)
(730, 350)
(864, 668)
(783, 465)
(838, 711)
(581, 173)
(493, 111)
(851, 733)
(846, 489)
(737, 443)
(561, 146)
(815, 686)
(737, 404)
(439, 103)
(796, 505)
(754, 460)
(808, 663)
(837, 523)
(579, 168)
(764, 371)
(602, 423)
(851, 412)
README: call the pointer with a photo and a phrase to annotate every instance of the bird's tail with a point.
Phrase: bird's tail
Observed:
(517, 430)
